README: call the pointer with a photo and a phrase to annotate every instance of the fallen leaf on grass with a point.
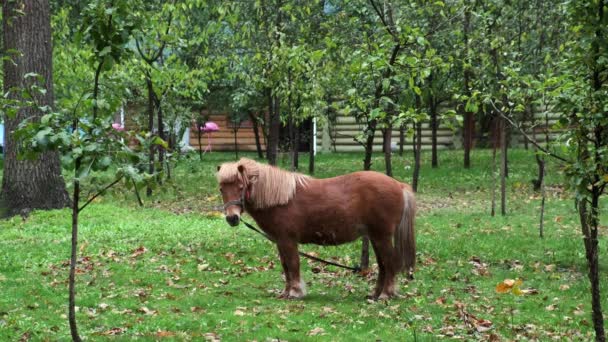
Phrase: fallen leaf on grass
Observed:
(508, 285)
(25, 337)
(138, 251)
(564, 287)
(161, 333)
(316, 331)
(551, 307)
(212, 337)
(113, 332)
(471, 321)
(196, 309)
(239, 313)
(147, 311)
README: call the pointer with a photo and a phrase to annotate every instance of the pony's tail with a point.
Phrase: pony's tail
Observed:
(405, 240)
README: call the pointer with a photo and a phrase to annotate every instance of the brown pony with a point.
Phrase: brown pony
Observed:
(293, 208)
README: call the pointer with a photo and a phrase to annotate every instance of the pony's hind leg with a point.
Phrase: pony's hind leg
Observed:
(385, 256)
(290, 259)
(381, 273)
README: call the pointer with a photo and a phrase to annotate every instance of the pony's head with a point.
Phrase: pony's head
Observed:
(258, 186)
(235, 187)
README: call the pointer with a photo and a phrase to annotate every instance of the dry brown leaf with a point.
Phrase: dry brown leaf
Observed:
(138, 251)
(162, 333)
(316, 331)
(212, 337)
(147, 311)
(113, 332)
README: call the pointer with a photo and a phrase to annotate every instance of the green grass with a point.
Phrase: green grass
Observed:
(198, 277)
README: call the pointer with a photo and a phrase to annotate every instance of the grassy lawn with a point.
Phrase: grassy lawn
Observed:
(174, 269)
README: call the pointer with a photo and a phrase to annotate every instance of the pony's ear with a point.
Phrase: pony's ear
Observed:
(243, 171)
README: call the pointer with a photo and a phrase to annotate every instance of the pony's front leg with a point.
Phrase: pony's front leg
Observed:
(290, 259)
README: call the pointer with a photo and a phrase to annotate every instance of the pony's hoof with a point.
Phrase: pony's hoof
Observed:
(291, 294)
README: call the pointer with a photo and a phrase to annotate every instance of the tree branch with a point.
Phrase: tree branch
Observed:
(99, 193)
(525, 135)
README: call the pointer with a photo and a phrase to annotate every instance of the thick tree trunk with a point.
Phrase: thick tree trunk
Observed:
(26, 184)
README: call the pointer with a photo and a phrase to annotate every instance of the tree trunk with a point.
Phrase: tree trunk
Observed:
(161, 134)
(417, 145)
(311, 149)
(256, 133)
(236, 145)
(543, 196)
(589, 218)
(434, 127)
(401, 139)
(417, 152)
(200, 143)
(28, 184)
(469, 118)
(493, 209)
(73, 258)
(503, 167)
(495, 142)
(274, 131)
(295, 157)
(388, 132)
(369, 145)
(151, 129)
(367, 165)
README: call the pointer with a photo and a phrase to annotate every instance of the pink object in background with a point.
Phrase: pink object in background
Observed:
(118, 127)
(209, 128)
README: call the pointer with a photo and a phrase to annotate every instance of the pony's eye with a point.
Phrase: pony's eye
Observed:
(221, 190)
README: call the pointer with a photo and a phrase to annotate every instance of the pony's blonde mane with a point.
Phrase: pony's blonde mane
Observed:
(270, 186)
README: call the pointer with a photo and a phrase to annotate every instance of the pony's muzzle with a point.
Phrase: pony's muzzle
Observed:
(233, 220)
